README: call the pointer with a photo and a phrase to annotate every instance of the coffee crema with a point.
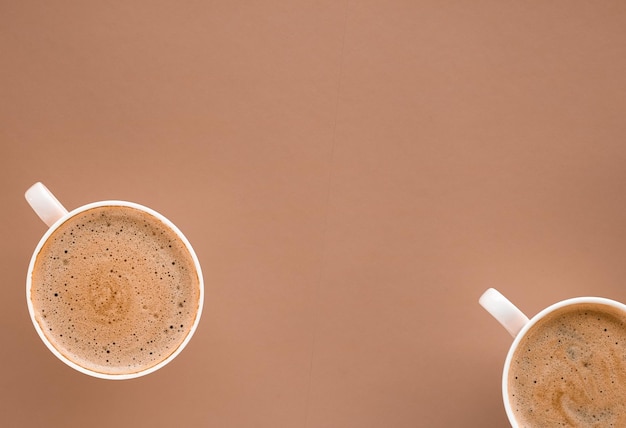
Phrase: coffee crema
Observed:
(115, 290)
(570, 369)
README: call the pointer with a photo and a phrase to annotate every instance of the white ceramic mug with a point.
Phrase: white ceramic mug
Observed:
(518, 324)
(53, 213)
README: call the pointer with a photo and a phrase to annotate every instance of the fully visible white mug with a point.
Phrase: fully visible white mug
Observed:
(519, 325)
(52, 212)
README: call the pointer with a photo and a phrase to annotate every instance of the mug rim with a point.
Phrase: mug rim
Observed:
(167, 223)
(534, 320)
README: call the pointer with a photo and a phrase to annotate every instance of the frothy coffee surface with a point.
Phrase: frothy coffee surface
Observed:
(570, 370)
(115, 290)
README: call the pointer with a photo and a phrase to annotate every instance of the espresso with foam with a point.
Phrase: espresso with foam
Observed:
(570, 369)
(115, 290)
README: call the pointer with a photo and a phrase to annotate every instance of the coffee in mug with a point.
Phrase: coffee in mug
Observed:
(114, 289)
(567, 365)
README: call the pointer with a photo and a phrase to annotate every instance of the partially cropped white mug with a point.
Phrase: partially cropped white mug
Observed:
(54, 214)
(518, 325)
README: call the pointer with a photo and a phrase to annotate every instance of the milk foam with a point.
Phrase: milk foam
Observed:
(570, 369)
(115, 290)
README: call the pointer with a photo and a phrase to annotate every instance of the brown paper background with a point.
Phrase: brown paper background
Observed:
(352, 176)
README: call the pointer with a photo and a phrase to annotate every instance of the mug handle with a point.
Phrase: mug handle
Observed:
(505, 312)
(45, 204)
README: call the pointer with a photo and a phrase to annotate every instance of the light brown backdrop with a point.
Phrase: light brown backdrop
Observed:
(352, 174)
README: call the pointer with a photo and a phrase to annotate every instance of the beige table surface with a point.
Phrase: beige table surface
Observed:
(352, 175)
